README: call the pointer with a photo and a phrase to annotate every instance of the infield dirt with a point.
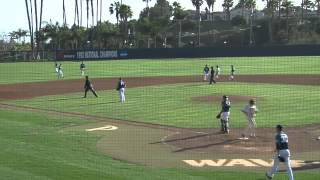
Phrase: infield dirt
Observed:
(165, 146)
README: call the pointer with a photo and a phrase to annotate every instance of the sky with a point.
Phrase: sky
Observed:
(13, 14)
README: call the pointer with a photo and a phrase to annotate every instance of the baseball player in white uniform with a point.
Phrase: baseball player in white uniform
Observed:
(60, 72)
(283, 154)
(250, 111)
(218, 71)
(121, 88)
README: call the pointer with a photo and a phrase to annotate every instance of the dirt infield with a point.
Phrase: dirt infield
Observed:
(165, 146)
(218, 98)
(30, 90)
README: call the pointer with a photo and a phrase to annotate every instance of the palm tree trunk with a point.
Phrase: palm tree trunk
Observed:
(92, 12)
(30, 24)
(64, 13)
(77, 12)
(100, 10)
(87, 13)
(97, 13)
(80, 12)
(31, 33)
(41, 8)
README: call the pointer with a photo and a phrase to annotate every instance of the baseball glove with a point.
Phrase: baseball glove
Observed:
(281, 159)
(218, 116)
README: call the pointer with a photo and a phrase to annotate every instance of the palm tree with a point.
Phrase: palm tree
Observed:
(87, 13)
(114, 9)
(279, 3)
(227, 4)
(317, 2)
(125, 13)
(198, 4)
(147, 2)
(305, 6)
(30, 23)
(92, 12)
(287, 6)
(241, 4)
(251, 5)
(64, 13)
(210, 4)
(76, 16)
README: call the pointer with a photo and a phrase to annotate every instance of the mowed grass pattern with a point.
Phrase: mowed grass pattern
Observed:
(45, 71)
(289, 105)
(37, 147)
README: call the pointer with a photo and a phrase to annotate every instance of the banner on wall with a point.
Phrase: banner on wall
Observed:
(94, 54)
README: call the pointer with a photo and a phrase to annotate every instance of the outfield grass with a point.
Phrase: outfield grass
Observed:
(290, 105)
(35, 147)
(45, 71)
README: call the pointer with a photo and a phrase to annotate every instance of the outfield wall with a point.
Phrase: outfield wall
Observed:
(298, 50)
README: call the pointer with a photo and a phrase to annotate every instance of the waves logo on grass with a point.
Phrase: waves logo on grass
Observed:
(297, 164)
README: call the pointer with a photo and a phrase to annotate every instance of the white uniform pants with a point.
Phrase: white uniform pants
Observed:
(251, 129)
(286, 155)
(60, 74)
(122, 96)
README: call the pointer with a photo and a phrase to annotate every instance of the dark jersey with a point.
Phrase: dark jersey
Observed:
(206, 69)
(87, 84)
(225, 105)
(82, 66)
(121, 84)
(281, 141)
(212, 73)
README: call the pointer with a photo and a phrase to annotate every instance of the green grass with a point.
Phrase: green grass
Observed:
(45, 71)
(289, 105)
(34, 147)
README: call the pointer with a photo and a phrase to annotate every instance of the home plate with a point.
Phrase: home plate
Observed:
(104, 128)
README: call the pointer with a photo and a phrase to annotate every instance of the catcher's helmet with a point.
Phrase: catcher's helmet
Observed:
(225, 97)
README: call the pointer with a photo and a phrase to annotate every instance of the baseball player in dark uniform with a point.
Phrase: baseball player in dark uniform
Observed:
(232, 73)
(121, 88)
(224, 114)
(212, 75)
(88, 86)
(206, 72)
(283, 153)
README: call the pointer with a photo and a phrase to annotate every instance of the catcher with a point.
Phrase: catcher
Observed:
(88, 86)
(224, 114)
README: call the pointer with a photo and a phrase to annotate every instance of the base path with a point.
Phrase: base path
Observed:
(30, 90)
(165, 146)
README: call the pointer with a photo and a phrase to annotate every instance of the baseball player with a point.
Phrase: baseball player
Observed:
(206, 72)
(212, 74)
(88, 86)
(283, 154)
(121, 88)
(60, 72)
(218, 70)
(82, 68)
(232, 73)
(224, 114)
(250, 111)
(56, 67)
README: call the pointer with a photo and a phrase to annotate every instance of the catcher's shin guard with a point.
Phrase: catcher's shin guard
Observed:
(222, 125)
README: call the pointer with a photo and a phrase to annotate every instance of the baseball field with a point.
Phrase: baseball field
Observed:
(166, 129)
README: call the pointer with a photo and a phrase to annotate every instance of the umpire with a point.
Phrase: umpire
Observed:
(212, 74)
(88, 86)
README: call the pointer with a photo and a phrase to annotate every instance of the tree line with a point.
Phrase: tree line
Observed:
(163, 25)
